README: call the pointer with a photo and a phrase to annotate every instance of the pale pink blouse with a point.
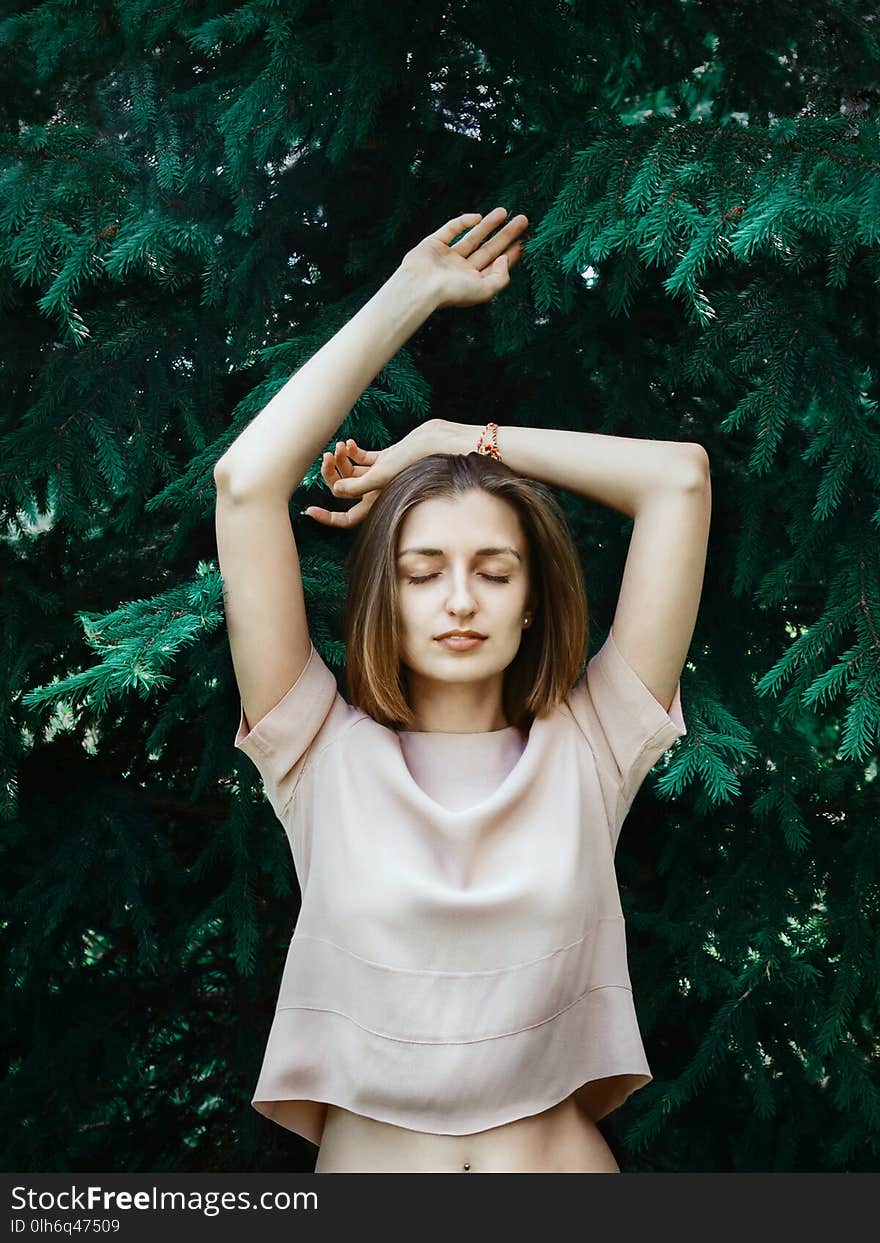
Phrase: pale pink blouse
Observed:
(460, 959)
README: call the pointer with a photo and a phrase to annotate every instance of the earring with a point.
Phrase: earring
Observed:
(525, 621)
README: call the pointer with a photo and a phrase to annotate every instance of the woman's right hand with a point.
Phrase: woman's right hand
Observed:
(477, 266)
(350, 461)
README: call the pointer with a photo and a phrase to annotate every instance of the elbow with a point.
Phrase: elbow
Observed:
(696, 467)
(223, 480)
(221, 474)
(233, 485)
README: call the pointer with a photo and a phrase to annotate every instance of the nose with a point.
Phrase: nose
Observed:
(461, 596)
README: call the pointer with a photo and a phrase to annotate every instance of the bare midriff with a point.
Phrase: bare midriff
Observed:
(560, 1140)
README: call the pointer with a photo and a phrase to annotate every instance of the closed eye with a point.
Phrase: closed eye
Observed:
(495, 578)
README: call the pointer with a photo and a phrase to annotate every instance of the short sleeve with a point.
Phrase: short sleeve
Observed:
(280, 743)
(627, 727)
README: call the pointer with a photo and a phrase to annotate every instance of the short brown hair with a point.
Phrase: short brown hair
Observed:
(550, 656)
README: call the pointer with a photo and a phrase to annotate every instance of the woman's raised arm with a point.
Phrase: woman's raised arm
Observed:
(263, 592)
(273, 453)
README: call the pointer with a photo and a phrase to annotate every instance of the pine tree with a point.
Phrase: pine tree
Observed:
(193, 201)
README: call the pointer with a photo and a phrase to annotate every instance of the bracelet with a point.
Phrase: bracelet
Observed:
(484, 445)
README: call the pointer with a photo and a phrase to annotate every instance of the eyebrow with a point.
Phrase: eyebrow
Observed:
(438, 552)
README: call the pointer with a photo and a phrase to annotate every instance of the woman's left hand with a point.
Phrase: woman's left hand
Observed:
(360, 474)
(477, 266)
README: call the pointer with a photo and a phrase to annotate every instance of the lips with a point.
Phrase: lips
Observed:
(460, 643)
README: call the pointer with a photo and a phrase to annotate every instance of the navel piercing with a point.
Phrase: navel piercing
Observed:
(467, 1165)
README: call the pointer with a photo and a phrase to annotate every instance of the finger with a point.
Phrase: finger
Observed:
(346, 464)
(502, 241)
(515, 253)
(333, 464)
(363, 480)
(365, 456)
(453, 227)
(329, 517)
(329, 473)
(475, 238)
(350, 517)
(343, 464)
(499, 273)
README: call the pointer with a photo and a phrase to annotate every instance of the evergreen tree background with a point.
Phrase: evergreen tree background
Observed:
(194, 198)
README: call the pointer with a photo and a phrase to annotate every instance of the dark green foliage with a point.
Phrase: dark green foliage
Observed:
(193, 198)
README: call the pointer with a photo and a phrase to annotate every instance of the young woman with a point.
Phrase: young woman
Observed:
(456, 994)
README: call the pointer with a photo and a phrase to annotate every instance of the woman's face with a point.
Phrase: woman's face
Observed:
(455, 585)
